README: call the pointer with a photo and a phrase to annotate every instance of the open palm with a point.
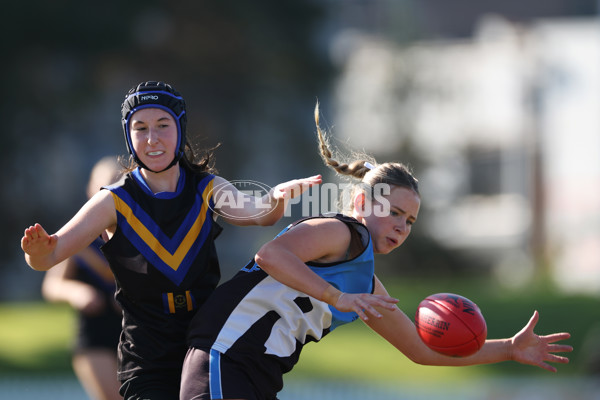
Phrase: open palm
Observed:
(532, 349)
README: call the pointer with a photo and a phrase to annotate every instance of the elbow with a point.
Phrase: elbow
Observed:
(267, 220)
(271, 217)
(420, 361)
(418, 357)
(41, 268)
(260, 258)
(37, 266)
(264, 257)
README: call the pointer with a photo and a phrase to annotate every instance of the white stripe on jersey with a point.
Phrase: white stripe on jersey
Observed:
(258, 302)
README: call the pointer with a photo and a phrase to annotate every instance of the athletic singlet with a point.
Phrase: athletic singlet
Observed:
(263, 325)
(165, 264)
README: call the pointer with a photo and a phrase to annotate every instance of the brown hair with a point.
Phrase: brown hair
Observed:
(391, 173)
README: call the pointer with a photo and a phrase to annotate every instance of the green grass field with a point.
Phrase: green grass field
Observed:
(36, 337)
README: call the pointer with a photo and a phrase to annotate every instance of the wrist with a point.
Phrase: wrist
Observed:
(338, 299)
(331, 295)
(510, 343)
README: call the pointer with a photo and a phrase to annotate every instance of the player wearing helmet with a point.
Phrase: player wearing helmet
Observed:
(160, 221)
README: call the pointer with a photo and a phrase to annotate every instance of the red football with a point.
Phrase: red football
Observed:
(451, 324)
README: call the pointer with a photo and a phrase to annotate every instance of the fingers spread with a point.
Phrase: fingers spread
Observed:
(547, 367)
(557, 348)
(555, 337)
(557, 359)
(533, 321)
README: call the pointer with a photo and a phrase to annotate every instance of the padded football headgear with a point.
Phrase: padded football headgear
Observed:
(157, 95)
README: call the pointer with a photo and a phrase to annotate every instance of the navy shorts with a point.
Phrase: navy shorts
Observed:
(209, 375)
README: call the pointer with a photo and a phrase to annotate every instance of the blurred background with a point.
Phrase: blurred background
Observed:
(494, 105)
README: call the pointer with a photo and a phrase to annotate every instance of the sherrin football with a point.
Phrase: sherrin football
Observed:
(451, 324)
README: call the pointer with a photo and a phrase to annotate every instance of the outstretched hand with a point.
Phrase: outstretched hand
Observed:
(36, 242)
(365, 303)
(532, 349)
(294, 188)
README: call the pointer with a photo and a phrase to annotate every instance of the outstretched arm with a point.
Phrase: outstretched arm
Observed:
(525, 347)
(239, 208)
(43, 251)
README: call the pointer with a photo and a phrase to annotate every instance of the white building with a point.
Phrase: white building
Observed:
(509, 126)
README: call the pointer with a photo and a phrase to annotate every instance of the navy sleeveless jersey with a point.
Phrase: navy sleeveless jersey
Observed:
(263, 325)
(165, 265)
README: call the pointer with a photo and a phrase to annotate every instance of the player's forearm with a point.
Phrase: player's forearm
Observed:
(398, 329)
(493, 351)
(288, 269)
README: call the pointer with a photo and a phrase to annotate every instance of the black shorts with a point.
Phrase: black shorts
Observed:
(208, 376)
(163, 386)
(100, 331)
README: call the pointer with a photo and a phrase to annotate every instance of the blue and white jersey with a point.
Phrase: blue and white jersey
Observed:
(263, 324)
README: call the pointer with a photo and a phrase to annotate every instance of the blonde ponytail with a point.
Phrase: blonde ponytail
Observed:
(356, 169)
(365, 168)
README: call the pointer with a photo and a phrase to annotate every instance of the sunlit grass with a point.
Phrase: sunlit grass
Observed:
(35, 337)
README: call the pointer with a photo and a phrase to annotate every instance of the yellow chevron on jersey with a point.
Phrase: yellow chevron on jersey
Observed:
(164, 252)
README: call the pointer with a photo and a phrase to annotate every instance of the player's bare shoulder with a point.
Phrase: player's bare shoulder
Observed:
(330, 231)
(102, 204)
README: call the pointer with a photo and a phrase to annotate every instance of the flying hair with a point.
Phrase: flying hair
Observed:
(365, 168)
(356, 169)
